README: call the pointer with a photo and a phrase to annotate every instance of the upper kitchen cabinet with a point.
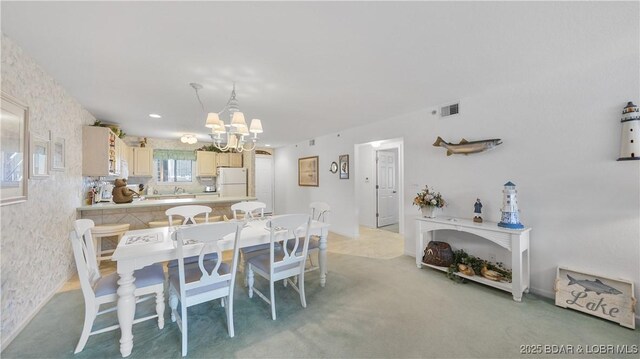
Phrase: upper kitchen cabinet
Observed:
(102, 152)
(142, 162)
(222, 159)
(206, 163)
(228, 159)
(235, 160)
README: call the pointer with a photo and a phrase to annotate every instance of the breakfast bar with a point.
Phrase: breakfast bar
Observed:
(140, 212)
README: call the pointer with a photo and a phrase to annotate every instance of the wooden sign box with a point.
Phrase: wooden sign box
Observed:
(606, 298)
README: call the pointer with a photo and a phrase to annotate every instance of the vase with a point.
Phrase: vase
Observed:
(429, 211)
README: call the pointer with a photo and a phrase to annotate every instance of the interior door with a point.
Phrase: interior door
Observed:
(264, 181)
(387, 187)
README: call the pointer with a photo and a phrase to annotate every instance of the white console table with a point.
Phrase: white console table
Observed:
(514, 240)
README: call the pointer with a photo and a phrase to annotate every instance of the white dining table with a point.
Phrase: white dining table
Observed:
(143, 247)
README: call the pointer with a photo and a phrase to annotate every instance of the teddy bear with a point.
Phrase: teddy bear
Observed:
(122, 194)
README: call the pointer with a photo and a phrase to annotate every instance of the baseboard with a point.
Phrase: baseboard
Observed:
(6, 340)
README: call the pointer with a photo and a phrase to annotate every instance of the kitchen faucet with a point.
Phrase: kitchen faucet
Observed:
(178, 190)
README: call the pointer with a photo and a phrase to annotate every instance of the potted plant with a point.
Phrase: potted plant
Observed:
(429, 201)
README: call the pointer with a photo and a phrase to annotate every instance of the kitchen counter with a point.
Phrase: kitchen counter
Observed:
(181, 195)
(139, 213)
(137, 203)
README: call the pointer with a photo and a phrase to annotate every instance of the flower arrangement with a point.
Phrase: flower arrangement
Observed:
(429, 198)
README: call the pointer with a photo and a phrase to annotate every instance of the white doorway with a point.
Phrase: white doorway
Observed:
(264, 181)
(366, 179)
(387, 188)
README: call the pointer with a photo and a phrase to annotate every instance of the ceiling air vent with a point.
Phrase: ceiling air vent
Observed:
(450, 110)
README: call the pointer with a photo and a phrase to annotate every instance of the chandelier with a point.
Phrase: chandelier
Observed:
(236, 135)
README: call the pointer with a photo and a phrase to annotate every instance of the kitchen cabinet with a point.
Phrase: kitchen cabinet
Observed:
(102, 152)
(142, 162)
(206, 163)
(228, 159)
(235, 160)
(222, 159)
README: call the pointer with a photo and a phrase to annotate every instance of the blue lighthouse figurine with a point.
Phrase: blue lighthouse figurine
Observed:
(510, 216)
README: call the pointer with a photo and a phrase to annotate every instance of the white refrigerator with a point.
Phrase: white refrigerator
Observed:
(232, 182)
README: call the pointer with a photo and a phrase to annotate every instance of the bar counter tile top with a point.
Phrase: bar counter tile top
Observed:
(137, 203)
(181, 195)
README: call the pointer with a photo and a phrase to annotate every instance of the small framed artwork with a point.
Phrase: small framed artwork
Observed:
(14, 150)
(39, 157)
(308, 171)
(344, 166)
(57, 154)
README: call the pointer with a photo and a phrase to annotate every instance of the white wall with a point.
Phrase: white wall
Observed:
(36, 253)
(561, 134)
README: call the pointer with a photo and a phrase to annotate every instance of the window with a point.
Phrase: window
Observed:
(172, 170)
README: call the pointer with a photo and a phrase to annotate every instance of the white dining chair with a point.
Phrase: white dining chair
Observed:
(282, 263)
(98, 289)
(207, 281)
(319, 212)
(249, 210)
(188, 214)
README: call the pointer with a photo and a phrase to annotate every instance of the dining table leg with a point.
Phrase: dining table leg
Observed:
(126, 309)
(322, 257)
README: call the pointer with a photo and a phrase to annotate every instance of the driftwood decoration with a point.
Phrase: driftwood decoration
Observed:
(465, 147)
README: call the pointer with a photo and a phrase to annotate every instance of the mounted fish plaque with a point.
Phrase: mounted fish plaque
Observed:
(465, 147)
(606, 298)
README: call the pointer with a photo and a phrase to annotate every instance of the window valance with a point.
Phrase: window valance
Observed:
(174, 155)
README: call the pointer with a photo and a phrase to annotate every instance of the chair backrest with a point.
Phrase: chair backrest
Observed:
(206, 236)
(320, 211)
(293, 228)
(85, 256)
(251, 209)
(188, 213)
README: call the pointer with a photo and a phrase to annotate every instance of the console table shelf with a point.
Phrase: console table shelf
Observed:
(515, 241)
(476, 278)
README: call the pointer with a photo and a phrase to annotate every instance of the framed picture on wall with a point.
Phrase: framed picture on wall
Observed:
(39, 156)
(308, 171)
(14, 150)
(344, 166)
(57, 154)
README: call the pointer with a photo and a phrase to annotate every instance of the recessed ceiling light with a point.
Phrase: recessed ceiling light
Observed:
(267, 145)
(154, 115)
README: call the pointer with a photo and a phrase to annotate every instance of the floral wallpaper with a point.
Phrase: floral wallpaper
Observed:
(36, 256)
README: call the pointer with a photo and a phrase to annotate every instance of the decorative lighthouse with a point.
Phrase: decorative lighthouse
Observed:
(630, 142)
(510, 217)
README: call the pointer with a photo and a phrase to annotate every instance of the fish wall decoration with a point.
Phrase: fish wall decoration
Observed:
(466, 147)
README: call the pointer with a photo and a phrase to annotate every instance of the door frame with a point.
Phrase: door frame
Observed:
(360, 186)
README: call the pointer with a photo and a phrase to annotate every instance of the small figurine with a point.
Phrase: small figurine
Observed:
(477, 211)
(122, 194)
(510, 214)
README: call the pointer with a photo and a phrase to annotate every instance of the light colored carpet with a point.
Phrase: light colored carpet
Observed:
(395, 228)
(372, 243)
(371, 307)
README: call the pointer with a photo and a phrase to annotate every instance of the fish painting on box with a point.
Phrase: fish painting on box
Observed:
(602, 297)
